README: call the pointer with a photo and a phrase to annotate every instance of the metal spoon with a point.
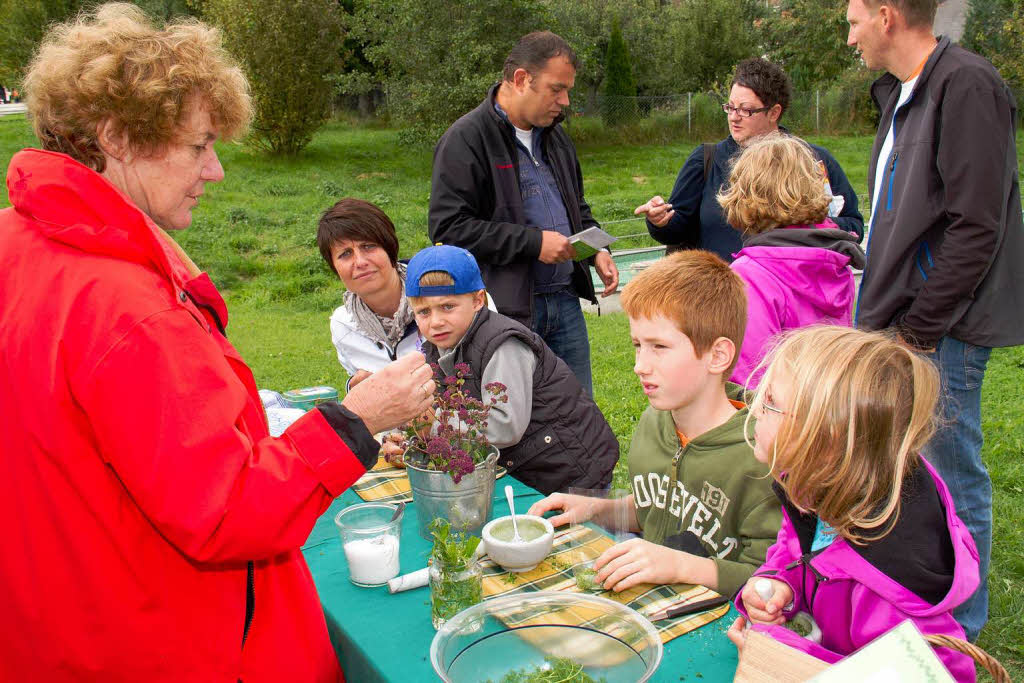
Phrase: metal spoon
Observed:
(516, 538)
(398, 511)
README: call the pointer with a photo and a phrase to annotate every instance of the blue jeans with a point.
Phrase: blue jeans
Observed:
(955, 451)
(558, 319)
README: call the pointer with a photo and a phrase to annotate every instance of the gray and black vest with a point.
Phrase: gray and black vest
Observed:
(567, 443)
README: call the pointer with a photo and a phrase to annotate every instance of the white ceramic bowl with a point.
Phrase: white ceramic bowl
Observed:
(518, 556)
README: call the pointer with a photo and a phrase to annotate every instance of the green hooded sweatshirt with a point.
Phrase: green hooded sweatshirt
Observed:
(710, 497)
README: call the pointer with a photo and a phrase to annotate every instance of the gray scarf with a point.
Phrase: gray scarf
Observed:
(379, 328)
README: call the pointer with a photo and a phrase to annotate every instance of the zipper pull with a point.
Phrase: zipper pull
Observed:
(818, 576)
(675, 458)
(892, 166)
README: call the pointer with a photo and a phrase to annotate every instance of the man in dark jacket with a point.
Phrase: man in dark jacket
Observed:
(507, 187)
(946, 238)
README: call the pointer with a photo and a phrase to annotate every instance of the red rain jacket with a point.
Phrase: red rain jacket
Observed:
(139, 479)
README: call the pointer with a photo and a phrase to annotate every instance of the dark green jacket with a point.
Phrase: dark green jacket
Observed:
(710, 498)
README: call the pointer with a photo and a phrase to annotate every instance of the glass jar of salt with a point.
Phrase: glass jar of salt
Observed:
(370, 535)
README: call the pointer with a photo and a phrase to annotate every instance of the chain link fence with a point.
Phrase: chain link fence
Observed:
(699, 115)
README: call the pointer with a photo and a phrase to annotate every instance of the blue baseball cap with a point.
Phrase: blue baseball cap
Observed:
(445, 258)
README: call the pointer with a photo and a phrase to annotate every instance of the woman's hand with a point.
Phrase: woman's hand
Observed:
(394, 394)
(658, 212)
(766, 611)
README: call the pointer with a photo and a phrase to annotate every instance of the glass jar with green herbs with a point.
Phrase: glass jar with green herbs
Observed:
(456, 578)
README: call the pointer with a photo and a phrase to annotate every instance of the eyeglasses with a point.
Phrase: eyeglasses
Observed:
(742, 111)
(767, 407)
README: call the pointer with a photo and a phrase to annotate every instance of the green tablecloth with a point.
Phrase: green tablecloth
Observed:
(383, 637)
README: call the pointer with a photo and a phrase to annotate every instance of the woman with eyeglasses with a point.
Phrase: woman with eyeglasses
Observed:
(692, 217)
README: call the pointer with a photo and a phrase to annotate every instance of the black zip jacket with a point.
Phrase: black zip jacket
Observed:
(475, 204)
(917, 553)
(946, 246)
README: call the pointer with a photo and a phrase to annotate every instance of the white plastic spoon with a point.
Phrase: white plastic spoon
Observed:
(516, 538)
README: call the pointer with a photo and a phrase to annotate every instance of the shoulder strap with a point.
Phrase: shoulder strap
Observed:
(709, 158)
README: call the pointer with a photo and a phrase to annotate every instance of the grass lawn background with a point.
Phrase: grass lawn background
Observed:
(255, 234)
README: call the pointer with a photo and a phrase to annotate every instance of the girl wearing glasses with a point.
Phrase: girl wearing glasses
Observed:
(869, 536)
(692, 218)
(795, 261)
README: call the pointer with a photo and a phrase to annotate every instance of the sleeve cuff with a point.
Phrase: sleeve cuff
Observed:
(922, 342)
(732, 576)
(351, 429)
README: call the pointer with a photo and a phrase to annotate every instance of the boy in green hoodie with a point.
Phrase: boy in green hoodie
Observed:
(702, 502)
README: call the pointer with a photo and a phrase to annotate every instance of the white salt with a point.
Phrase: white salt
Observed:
(372, 561)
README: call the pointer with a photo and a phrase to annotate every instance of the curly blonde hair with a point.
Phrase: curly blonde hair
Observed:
(775, 182)
(112, 64)
(861, 407)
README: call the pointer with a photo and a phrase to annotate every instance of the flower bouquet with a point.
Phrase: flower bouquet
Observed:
(450, 462)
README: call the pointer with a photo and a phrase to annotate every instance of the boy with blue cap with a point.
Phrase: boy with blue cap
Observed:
(551, 434)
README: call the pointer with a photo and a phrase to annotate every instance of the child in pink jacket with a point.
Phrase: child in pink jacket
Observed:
(795, 261)
(870, 536)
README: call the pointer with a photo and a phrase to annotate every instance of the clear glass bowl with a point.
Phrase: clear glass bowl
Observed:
(526, 632)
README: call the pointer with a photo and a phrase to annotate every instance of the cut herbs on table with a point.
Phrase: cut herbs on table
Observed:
(456, 580)
(553, 670)
(586, 579)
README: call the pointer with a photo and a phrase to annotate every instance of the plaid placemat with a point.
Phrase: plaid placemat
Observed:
(576, 545)
(386, 483)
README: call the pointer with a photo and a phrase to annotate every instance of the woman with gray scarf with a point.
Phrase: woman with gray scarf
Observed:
(375, 325)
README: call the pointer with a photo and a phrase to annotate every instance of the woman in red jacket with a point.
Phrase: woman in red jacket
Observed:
(152, 526)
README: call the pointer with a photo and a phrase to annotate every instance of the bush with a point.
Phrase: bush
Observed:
(290, 51)
(619, 103)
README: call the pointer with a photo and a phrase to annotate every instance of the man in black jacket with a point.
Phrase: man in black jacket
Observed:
(507, 187)
(946, 239)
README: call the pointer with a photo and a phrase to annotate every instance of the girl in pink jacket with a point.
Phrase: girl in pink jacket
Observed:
(795, 261)
(870, 536)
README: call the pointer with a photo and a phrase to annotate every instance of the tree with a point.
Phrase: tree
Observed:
(23, 23)
(717, 35)
(439, 60)
(619, 103)
(983, 29)
(675, 46)
(1010, 60)
(290, 52)
(995, 30)
(808, 39)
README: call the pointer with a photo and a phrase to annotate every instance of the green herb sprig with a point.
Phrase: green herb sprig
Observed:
(454, 588)
(554, 670)
(453, 551)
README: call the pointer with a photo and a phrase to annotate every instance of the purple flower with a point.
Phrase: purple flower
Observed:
(438, 446)
(455, 440)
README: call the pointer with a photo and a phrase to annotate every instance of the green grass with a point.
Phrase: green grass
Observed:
(255, 234)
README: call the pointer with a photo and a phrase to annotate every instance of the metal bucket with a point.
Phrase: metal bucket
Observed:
(467, 505)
